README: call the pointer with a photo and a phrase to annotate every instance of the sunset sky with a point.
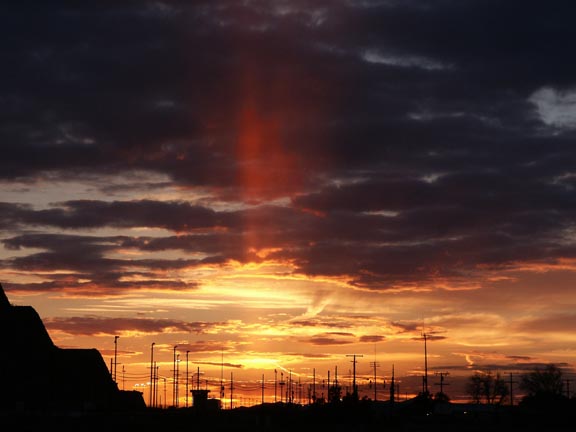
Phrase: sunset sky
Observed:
(279, 185)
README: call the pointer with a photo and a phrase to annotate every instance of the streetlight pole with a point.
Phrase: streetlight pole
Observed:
(151, 372)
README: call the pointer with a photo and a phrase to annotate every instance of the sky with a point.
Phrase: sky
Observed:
(266, 189)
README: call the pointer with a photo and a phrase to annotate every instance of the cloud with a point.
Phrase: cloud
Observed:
(98, 326)
(374, 56)
(176, 216)
(552, 323)
(372, 339)
(556, 108)
(301, 123)
(328, 341)
(330, 338)
(79, 262)
(398, 158)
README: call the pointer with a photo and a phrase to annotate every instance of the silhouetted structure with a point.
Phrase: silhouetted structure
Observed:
(39, 378)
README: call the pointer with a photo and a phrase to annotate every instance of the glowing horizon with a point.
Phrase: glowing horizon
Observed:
(286, 185)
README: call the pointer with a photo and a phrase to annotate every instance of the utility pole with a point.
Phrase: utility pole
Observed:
(262, 389)
(336, 376)
(115, 357)
(151, 372)
(155, 384)
(275, 385)
(354, 387)
(290, 391)
(511, 390)
(392, 387)
(222, 377)
(231, 387)
(425, 383)
(441, 383)
(187, 378)
(314, 385)
(177, 380)
(174, 403)
(375, 365)
(328, 394)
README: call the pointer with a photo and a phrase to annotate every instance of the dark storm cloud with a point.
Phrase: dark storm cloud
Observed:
(96, 96)
(420, 152)
(171, 215)
(175, 216)
(133, 85)
(11, 215)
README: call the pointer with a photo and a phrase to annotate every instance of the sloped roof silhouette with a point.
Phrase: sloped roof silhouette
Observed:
(36, 375)
(4, 303)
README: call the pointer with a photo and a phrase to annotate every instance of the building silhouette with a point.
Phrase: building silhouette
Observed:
(39, 378)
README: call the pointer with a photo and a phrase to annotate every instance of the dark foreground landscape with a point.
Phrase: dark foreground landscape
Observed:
(362, 416)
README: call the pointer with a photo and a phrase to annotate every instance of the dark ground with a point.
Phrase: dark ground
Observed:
(284, 418)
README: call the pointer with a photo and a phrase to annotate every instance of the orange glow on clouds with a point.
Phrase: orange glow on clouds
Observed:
(267, 168)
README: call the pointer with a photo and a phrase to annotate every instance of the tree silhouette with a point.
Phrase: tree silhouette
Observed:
(441, 397)
(483, 386)
(543, 383)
